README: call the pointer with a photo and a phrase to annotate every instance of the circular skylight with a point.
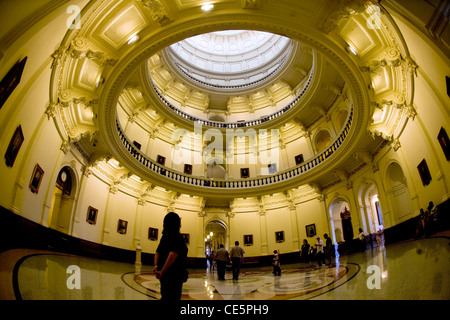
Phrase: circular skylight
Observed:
(230, 57)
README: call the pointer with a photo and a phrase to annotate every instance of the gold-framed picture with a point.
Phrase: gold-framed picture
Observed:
(14, 146)
(152, 234)
(279, 236)
(122, 226)
(36, 178)
(91, 216)
(248, 240)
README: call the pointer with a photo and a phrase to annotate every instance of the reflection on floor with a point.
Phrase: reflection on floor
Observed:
(417, 269)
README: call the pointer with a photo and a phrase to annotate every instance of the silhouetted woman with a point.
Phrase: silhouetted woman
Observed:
(170, 259)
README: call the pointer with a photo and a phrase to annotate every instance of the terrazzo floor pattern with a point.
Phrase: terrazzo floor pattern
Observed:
(411, 270)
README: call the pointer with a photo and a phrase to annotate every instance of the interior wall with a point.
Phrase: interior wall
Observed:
(42, 145)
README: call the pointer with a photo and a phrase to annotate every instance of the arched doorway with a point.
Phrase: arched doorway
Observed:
(337, 207)
(397, 193)
(63, 200)
(215, 234)
(371, 212)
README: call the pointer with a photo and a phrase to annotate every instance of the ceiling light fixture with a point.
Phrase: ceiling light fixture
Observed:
(133, 39)
(352, 50)
(207, 7)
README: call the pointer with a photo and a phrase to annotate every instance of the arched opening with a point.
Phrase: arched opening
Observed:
(216, 171)
(370, 208)
(337, 207)
(322, 140)
(215, 234)
(341, 119)
(217, 118)
(397, 192)
(63, 201)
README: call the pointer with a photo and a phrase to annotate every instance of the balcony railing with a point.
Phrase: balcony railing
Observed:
(234, 184)
(234, 125)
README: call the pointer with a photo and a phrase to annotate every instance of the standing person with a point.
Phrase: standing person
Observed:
(221, 260)
(328, 248)
(276, 263)
(171, 259)
(319, 254)
(305, 252)
(237, 257)
(362, 240)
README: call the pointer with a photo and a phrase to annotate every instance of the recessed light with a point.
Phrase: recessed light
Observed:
(133, 39)
(207, 7)
(352, 50)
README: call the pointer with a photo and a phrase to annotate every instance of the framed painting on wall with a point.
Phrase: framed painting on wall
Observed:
(424, 172)
(185, 237)
(248, 240)
(161, 160)
(14, 146)
(36, 178)
(245, 173)
(298, 159)
(137, 145)
(122, 226)
(445, 143)
(91, 217)
(279, 236)
(188, 169)
(152, 234)
(11, 81)
(311, 230)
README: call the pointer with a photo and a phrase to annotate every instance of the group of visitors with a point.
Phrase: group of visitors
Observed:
(318, 251)
(171, 255)
(427, 220)
(222, 258)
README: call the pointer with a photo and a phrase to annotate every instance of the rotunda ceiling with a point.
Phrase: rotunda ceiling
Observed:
(187, 68)
(230, 59)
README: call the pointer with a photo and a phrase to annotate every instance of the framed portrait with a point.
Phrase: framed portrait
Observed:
(137, 145)
(36, 178)
(11, 81)
(311, 230)
(91, 217)
(445, 143)
(161, 160)
(245, 173)
(122, 226)
(14, 146)
(188, 169)
(185, 237)
(298, 159)
(152, 234)
(424, 172)
(248, 240)
(279, 236)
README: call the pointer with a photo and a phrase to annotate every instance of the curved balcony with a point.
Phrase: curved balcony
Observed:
(231, 87)
(234, 125)
(235, 184)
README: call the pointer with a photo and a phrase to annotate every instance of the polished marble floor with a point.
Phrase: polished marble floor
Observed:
(411, 270)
